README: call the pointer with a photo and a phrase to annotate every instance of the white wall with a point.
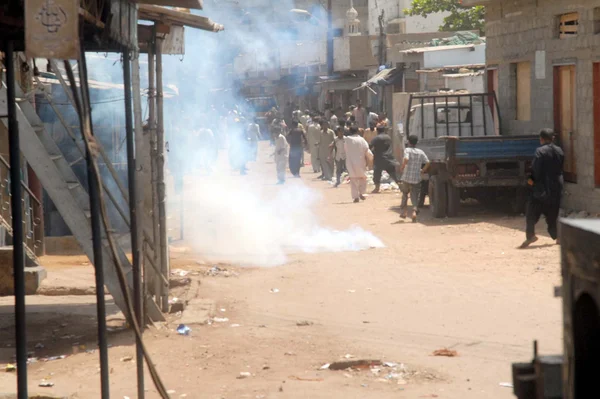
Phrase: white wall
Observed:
(341, 54)
(473, 84)
(456, 56)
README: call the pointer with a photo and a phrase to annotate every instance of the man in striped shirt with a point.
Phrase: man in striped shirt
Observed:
(411, 172)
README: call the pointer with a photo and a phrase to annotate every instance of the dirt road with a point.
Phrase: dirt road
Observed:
(457, 283)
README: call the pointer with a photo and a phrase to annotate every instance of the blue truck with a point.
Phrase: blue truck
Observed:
(459, 132)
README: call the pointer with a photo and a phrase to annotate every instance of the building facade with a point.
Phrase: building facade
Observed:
(543, 58)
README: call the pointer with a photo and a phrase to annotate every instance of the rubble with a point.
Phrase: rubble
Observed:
(445, 352)
(354, 364)
(217, 271)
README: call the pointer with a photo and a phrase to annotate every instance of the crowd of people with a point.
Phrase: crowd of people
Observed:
(352, 142)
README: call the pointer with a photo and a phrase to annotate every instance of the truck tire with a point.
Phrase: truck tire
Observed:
(438, 197)
(453, 200)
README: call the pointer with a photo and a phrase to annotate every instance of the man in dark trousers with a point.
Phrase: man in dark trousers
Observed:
(383, 157)
(546, 184)
(297, 140)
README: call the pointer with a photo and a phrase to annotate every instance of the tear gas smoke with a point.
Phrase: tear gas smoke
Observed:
(233, 223)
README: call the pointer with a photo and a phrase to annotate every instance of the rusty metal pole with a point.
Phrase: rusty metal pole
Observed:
(153, 167)
(17, 218)
(160, 175)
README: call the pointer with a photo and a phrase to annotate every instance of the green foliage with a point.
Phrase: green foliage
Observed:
(460, 18)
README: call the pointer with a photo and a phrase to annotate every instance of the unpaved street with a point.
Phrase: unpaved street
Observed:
(457, 283)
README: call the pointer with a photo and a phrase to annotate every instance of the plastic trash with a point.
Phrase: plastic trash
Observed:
(220, 319)
(46, 384)
(244, 374)
(182, 329)
(274, 290)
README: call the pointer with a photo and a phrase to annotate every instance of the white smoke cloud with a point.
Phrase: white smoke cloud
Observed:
(226, 221)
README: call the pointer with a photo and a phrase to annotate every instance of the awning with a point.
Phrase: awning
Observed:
(174, 17)
(197, 4)
(383, 78)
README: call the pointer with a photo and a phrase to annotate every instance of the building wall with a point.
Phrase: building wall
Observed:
(515, 32)
(454, 56)
(472, 83)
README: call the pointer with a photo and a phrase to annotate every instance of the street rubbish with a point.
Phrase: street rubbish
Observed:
(179, 272)
(182, 329)
(220, 319)
(274, 290)
(220, 271)
(51, 358)
(354, 364)
(235, 325)
(304, 323)
(46, 384)
(390, 364)
(244, 374)
(293, 377)
(445, 352)
(506, 385)
(10, 368)
(39, 346)
(127, 358)
(325, 366)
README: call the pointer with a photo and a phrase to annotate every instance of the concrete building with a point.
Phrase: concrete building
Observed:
(542, 59)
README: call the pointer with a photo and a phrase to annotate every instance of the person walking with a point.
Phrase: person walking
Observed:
(297, 141)
(360, 113)
(358, 157)
(546, 184)
(411, 172)
(371, 132)
(383, 158)
(339, 148)
(325, 139)
(253, 134)
(282, 149)
(313, 137)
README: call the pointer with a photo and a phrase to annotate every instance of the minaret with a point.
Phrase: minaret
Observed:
(352, 21)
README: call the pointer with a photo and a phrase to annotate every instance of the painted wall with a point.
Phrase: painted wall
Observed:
(454, 56)
(473, 83)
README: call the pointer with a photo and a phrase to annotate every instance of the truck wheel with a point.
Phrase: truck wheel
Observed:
(438, 197)
(453, 200)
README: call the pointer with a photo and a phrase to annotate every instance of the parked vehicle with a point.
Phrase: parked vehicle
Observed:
(458, 132)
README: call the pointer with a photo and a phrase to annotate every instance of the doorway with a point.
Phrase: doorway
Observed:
(586, 339)
(597, 124)
(492, 86)
(565, 116)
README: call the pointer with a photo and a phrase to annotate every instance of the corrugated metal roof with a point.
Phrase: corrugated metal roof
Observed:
(437, 48)
(463, 75)
(174, 17)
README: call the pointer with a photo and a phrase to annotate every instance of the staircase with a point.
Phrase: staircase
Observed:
(68, 195)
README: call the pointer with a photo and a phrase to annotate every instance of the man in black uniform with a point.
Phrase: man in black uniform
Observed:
(383, 157)
(546, 184)
(297, 140)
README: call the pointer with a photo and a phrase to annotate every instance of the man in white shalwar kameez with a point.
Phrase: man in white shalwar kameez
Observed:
(357, 159)
(282, 150)
(314, 136)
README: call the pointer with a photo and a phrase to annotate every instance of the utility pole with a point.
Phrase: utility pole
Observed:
(329, 39)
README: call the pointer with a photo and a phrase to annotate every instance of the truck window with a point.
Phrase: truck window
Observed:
(453, 114)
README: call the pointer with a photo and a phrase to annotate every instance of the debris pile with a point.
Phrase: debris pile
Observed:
(217, 271)
(385, 372)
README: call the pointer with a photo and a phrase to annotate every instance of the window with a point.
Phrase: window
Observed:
(451, 114)
(523, 90)
(596, 20)
(568, 24)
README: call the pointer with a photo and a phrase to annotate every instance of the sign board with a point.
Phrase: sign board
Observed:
(52, 29)
(540, 64)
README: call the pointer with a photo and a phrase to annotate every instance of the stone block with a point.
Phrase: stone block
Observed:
(33, 275)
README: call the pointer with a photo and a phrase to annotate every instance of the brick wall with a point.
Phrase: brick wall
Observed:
(515, 31)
